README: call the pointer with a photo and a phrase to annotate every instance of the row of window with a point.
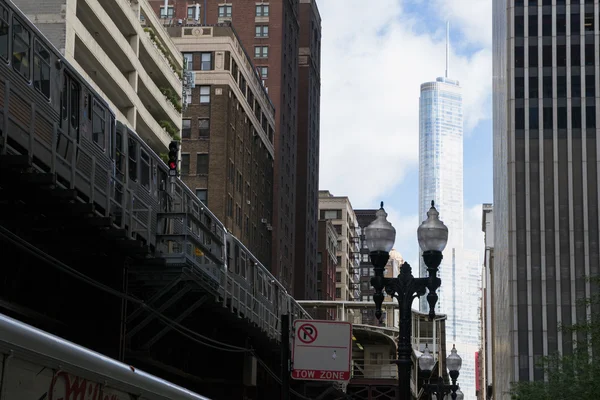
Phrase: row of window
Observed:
(561, 24)
(577, 90)
(206, 63)
(224, 11)
(561, 55)
(535, 3)
(204, 95)
(201, 163)
(21, 53)
(261, 51)
(203, 128)
(561, 117)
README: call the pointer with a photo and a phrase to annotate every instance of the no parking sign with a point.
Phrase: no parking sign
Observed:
(322, 350)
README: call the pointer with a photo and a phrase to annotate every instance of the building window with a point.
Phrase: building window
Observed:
(186, 129)
(338, 292)
(204, 127)
(263, 72)
(262, 10)
(262, 31)
(338, 276)
(185, 164)
(191, 10)
(202, 164)
(331, 214)
(202, 194)
(261, 51)
(169, 14)
(188, 61)
(229, 206)
(225, 11)
(206, 64)
(204, 94)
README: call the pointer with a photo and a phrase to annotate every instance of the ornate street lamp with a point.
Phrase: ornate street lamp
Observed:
(437, 386)
(380, 236)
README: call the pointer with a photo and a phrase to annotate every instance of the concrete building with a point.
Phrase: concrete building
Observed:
(339, 210)
(123, 51)
(269, 30)
(487, 306)
(326, 266)
(546, 227)
(307, 163)
(228, 124)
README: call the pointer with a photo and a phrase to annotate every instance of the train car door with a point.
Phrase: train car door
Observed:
(118, 151)
(69, 116)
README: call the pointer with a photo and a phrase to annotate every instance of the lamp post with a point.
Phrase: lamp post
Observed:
(380, 236)
(437, 386)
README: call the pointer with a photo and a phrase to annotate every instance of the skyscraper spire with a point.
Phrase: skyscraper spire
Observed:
(447, 47)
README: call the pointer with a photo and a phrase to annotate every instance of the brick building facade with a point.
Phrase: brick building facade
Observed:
(228, 124)
(269, 31)
(307, 171)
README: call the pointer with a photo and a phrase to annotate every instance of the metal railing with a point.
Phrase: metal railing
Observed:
(374, 369)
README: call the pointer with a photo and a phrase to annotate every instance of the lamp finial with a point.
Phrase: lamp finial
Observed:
(381, 205)
(432, 203)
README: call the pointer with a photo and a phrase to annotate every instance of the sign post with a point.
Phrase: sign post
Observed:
(322, 350)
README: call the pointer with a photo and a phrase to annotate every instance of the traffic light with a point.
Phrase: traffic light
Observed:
(173, 150)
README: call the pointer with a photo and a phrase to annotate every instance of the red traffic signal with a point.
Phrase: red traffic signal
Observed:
(173, 150)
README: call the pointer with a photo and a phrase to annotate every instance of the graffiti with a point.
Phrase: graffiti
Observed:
(68, 387)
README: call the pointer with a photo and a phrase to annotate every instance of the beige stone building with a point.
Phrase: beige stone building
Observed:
(121, 48)
(339, 210)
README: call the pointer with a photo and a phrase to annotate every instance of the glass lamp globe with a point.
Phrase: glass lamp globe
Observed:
(460, 395)
(380, 235)
(432, 233)
(453, 361)
(426, 361)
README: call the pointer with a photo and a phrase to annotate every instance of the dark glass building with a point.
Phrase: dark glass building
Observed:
(545, 78)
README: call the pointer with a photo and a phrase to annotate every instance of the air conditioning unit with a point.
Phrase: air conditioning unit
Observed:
(263, 220)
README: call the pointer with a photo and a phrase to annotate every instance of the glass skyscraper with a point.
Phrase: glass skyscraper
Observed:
(441, 180)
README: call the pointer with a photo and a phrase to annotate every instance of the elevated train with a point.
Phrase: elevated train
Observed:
(49, 113)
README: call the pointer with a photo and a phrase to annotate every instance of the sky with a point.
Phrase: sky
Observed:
(373, 61)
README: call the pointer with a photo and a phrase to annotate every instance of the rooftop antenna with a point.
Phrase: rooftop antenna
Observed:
(447, 47)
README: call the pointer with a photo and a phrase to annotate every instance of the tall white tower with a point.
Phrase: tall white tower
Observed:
(441, 180)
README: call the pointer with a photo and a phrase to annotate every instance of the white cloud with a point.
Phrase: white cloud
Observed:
(373, 63)
(374, 60)
(474, 238)
(472, 17)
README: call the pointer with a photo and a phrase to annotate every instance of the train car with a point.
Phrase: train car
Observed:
(38, 365)
(251, 279)
(47, 109)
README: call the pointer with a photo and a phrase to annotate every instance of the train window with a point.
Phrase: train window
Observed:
(243, 263)
(144, 169)
(21, 48)
(64, 100)
(99, 124)
(236, 259)
(119, 159)
(3, 33)
(41, 69)
(132, 159)
(74, 105)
